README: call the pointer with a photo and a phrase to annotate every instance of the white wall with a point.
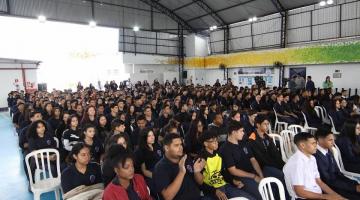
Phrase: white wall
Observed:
(205, 76)
(130, 58)
(66, 51)
(349, 78)
(8, 77)
(149, 67)
(196, 46)
(209, 76)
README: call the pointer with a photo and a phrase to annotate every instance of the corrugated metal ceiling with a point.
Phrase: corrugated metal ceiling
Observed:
(190, 11)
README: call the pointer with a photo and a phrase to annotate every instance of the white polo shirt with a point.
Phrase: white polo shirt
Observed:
(301, 170)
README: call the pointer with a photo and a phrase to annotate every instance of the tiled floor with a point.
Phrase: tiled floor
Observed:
(13, 182)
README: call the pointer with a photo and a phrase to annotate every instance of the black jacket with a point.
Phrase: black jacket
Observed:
(265, 151)
(331, 175)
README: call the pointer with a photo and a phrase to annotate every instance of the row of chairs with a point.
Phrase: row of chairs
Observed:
(321, 113)
(45, 181)
(326, 118)
(279, 125)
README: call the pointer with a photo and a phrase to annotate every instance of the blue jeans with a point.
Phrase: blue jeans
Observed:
(251, 187)
(230, 192)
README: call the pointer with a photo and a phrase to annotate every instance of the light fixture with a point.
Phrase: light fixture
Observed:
(41, 18)
(136, 28)
(322, 3)
(329, 2)
(92, 23)
(252, 19)
(213, 28)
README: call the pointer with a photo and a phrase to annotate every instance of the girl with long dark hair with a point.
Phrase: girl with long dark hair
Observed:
(349, 145)
(81, 171)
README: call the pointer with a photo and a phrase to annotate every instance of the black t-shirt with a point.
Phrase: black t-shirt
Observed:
(162, 121)
(72, 178)
(96, 150)
(248, 128)
(71, 135)
(152, 123)
(279, 108)
(150, 158)
(164, 174)
(54, 123)
(109, 119)
(237, 155)
(255, 106)
(23, 139)
(16, 117)
(42, 143)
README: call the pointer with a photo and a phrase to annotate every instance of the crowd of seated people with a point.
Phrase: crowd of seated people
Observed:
(171, 141)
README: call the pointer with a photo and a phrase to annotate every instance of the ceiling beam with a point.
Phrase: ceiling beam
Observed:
(185, 5)
(8, 8)
(279, 7)
(118, 5)
(170, 14)
(210, 11)
(220, 10)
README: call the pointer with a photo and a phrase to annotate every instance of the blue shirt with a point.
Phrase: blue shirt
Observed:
(72, 178)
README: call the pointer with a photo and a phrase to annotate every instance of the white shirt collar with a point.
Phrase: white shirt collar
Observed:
(303, 156)
(322, 150)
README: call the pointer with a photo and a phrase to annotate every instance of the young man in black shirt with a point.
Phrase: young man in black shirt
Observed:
(218, 127)
(239, 161)
(265, 151)
(281, 112)
(112, 115)
(172, 175)
(135, 135)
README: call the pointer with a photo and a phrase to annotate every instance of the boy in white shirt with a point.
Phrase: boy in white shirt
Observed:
(301, 173)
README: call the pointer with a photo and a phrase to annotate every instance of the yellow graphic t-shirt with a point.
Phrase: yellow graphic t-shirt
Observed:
(212, 172)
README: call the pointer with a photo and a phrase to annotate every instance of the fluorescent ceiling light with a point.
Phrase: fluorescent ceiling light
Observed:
(329, 2)
(41, 18)
(92, 23)
(136, 28)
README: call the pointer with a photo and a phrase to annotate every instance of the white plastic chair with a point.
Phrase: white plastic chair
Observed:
(282, 149)
(318, 110)
(57, 142)
(312, 130)
(265, 189)
(333, 129)
(296, 128)
(339, 162)
(289, 146)
(49, 182)
(325, 116)
(279, 125)
(270, 130)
